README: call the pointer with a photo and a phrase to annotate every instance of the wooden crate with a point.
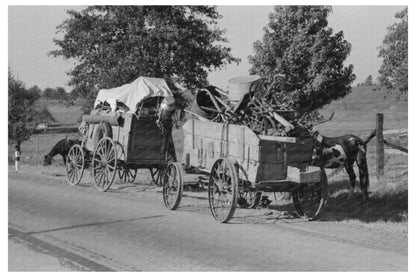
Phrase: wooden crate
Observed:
(310, 174)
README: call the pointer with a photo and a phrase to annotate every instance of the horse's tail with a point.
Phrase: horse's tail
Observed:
(370, 136)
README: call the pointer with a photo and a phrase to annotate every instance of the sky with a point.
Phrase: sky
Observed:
(31, 30)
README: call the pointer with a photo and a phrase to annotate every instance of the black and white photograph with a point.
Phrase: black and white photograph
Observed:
(211, 137)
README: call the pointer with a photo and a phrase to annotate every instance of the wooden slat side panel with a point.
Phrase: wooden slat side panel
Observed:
(214, 145)
(203, 152)
(216, 130)
(197, 158)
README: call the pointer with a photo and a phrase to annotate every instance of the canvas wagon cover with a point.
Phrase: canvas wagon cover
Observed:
(131, 94)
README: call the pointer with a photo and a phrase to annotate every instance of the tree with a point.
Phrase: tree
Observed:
(60, 94)
(22, 111)
(368, 81)
(394, 51)
(115, 44)
(298, 43)
(35, 90)
(48, 93)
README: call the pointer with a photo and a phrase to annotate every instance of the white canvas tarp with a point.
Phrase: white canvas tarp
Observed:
(131, 94)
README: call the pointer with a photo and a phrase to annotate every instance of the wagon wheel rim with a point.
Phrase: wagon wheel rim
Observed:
(104, 164)
(306, 200)
(75, 165)
(172, 185)
(222, 190)
(310, 199)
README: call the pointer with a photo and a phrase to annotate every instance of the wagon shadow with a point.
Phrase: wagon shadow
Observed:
(385, 206)
(85, 185)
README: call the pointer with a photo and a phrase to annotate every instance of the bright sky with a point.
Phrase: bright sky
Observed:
(32, 28)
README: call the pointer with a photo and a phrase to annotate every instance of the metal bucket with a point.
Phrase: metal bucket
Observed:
(203, 105)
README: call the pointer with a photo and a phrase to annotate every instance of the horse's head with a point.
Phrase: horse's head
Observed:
(319, 149)
(47, 160)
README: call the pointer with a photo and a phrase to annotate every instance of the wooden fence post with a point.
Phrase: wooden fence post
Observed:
(380, 145)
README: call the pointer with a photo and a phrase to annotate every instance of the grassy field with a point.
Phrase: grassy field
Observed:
(354, 114)
(63, 114)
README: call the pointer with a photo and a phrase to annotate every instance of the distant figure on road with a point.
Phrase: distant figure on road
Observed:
(61, 148)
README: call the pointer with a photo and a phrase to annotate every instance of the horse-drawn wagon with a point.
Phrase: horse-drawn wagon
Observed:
(129, 128)
(239, 165)
(240, 147)
(234, 161)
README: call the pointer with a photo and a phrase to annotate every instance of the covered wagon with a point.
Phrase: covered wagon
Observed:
(129, 128)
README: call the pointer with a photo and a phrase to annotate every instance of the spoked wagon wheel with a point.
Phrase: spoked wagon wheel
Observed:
(173, 185)
(310, 199)
(75, 164)
(104, 164)
(125, 174)
(156, 173)
(222, 190)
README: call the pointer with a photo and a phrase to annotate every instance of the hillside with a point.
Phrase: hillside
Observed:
(63, 114)
(356, 113)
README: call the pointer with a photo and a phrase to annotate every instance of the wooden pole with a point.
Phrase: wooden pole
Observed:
(380, 145)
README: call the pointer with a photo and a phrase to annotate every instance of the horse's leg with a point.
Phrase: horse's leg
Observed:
(64, 157)
(349, 167)
(363, 169)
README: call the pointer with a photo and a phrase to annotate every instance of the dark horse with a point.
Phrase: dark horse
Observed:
(341, 152)
(61, 148)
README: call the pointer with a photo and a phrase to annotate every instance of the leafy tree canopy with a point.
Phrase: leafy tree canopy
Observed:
(298, 43)
(394, 51)
(22, 111)
(115, 44)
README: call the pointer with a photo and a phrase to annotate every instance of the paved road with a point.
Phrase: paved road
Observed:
(86, 230)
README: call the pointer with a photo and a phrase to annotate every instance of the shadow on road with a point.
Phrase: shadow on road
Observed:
(385, 206)
(91, 224)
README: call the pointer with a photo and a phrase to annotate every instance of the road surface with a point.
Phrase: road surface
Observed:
(85, 230)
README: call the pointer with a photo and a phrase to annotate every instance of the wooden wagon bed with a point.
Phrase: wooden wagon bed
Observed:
(260, 158)
(240, 165)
